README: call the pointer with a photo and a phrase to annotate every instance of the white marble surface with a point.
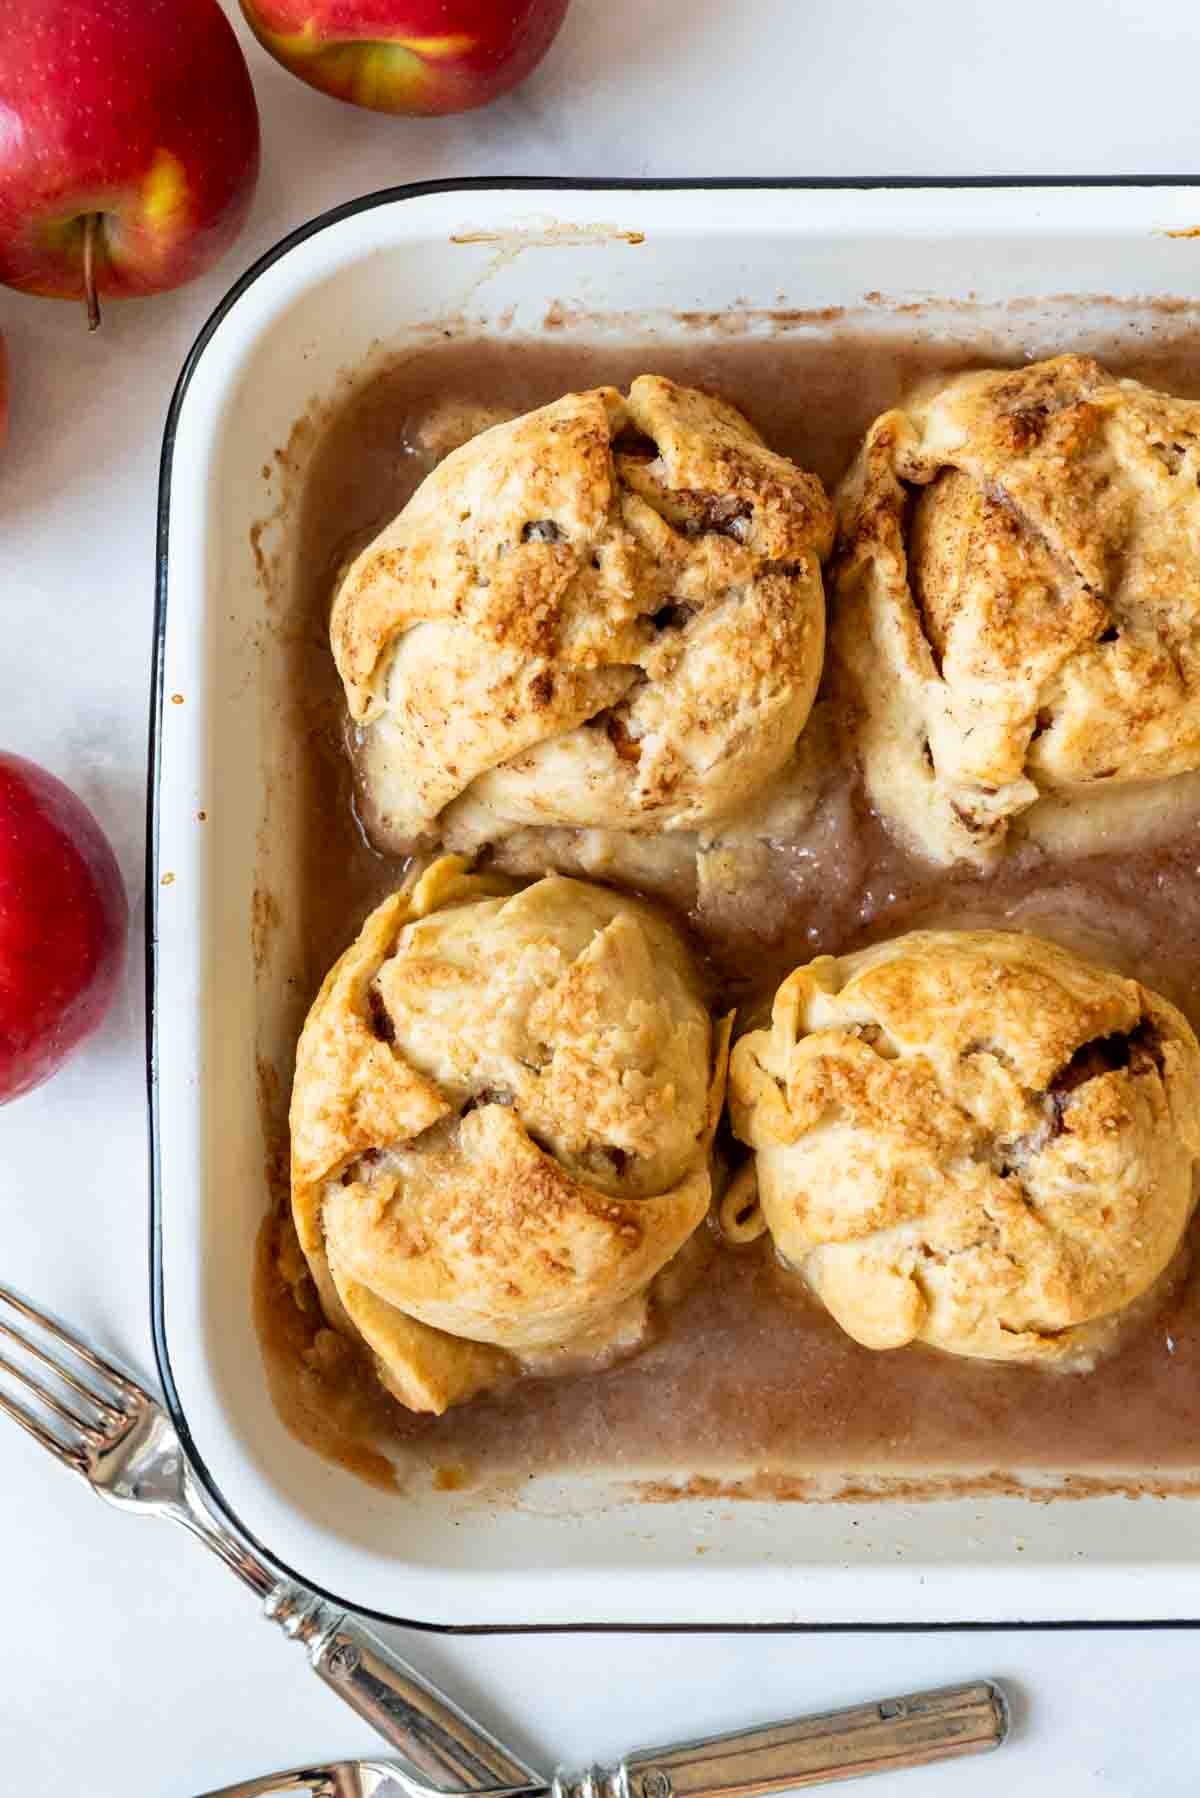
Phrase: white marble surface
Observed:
(130, 1663)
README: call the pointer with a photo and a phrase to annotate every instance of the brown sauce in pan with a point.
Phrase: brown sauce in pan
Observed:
(747, 1378)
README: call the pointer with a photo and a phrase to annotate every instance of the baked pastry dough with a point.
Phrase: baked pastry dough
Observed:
(501, 1127)
(973, 1139)
(606, 613)
(1018, 599)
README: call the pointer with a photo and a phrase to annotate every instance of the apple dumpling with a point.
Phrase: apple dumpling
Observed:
(501, 1122)
(972, 1139)
(1018, 602)
(607, 614)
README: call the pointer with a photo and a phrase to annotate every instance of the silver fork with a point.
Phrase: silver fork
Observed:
(806, 1751)
(340, 1779)
(99, 1422)
(105, 1426)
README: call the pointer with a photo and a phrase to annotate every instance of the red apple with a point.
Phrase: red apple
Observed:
(410, 56)
(63, 924)
(128, 144)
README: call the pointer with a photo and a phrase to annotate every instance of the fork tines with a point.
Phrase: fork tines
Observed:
(84, 1415)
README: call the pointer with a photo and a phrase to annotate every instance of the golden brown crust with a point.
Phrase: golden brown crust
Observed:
(425, 1369)
(501, 1121)
(1018, 598)
(972, 1138)
(562, 630)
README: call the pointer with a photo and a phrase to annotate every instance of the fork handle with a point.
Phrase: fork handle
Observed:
(438, 1742)
(867, 1738)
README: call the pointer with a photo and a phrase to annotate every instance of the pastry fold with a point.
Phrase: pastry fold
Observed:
(606, 613)
(1018, 600)
(973, 1139)
(502, 1119)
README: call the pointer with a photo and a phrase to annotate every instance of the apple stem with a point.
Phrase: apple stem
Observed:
(91, 225)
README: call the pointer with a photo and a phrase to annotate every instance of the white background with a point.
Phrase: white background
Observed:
(130, 1663)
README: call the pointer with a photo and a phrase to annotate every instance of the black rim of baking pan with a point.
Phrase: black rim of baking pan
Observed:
(348, 209)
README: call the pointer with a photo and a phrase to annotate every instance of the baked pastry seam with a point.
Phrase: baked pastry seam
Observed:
(973, 1139)
(502, 1119)
(606, 613)
(1018, 599)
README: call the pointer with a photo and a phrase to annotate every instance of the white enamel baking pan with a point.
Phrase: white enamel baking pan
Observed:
(370, 277)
